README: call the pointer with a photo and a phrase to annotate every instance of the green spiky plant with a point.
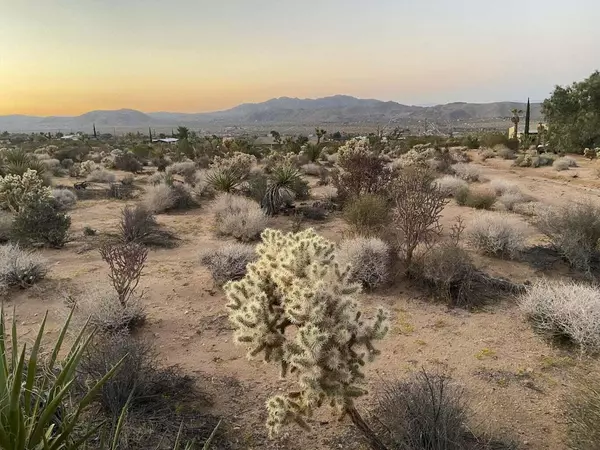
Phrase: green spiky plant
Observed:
(280, 188)
(33, 414)
(224, 180)
(297, 308)
(17, 161)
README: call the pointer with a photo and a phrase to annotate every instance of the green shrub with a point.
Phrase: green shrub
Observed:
(367, 214)
(41, 223)
(128, 162)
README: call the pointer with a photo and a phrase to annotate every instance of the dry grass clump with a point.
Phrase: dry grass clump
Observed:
(583, 413)
(497, 234)
(504, 152)
(468, 172)
(369, 258)
(574, 230)
(367, 214)
(450, 184)
(564, 163)
(64, 199)
(512, 199)
(239, 217)
(565, 309)
(475, 198)
(101, 176)
(228, 262)
(21, 268)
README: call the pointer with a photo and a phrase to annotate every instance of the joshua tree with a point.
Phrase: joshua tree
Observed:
(183, 132)
(150, 134)
(320, 132)
(297, 308)
(516, 119)
(95, 135)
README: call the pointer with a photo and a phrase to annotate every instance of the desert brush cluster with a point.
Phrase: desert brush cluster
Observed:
(389, 278)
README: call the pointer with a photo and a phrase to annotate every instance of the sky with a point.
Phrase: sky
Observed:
(67, 57)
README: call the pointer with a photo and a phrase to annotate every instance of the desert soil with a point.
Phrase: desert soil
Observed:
(515, 380)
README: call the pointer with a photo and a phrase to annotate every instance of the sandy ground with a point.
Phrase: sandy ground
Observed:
(515, 380)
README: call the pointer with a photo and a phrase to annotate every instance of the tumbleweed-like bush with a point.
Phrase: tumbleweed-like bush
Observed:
(450, 184)
(64, 199)
(297, 308)
(468, 172)
(498, 234)
(369, 258)
(228, 262)
(239, 217)
(565, 309)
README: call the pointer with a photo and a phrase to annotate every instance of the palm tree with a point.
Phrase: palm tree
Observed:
(516, 119)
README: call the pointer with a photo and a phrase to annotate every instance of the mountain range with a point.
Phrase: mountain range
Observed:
(337, 109)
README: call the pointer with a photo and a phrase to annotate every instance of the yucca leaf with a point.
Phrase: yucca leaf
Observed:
(211, 437)
(15, 417)
(121, 422)
(45, 415)
(32, 366)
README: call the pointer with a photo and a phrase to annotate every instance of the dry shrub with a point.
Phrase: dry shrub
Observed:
(427, 411)
(164, 197)
(561, 164)
(186, 169)
(228, 262)
(239, 217)
(361, 171)
(138, 225)
(475, 198)
(565, 309)
(160, 400)
(497, 234)
(450, 184)
(105, 311)
(367, 214)
(21, 268)
(510, 200)
(418, 205)
(574, 230)
(487, 153)
(505, 152)
(467, 172)
(6, 221)
(583, 413)
(65, 199)
(125, 262)
(448, 271)
(101, 176)
(501, 186)
(312, 169)
(369, 258)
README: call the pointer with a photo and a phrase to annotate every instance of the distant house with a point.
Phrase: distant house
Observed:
(70, 137)
(533, 130)
(166, 140)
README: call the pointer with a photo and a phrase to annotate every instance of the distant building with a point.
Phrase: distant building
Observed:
(533, 130)
(70, 137)
(166, 140)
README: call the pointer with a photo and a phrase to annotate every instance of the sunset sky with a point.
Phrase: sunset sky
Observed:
(66, 57)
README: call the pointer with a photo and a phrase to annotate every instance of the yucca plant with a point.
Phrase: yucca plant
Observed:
(280, 189)
(224, 180)
(17, 161)
(33, 397)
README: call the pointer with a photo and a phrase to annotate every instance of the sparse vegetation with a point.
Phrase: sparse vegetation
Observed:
(65, 199)
(19, 267)
(467, 172)
(367, 215)
(475, 198)
(450, 184)
(583, 413)
(138, 226)
(101, 175)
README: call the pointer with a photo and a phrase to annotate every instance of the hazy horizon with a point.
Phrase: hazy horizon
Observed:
(68, 57)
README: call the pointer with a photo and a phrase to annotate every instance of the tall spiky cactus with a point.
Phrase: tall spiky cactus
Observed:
(297, 308)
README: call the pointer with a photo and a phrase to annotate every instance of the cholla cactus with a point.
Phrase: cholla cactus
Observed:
(354, 146)
(297, 284)
(17, 191)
